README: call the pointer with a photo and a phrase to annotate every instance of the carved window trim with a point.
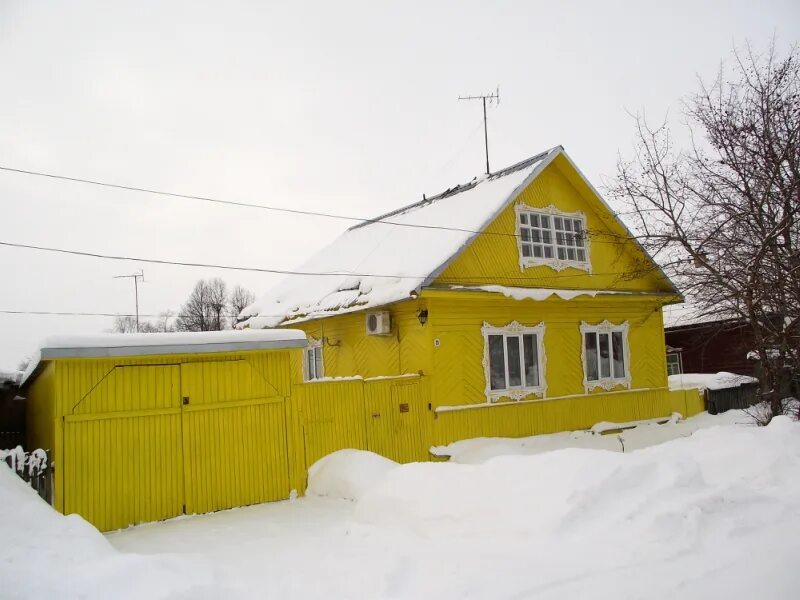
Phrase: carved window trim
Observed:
(606, 382)
(518, 392)
(553, 262)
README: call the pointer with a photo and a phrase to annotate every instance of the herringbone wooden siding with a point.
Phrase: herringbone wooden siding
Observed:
(494, 259)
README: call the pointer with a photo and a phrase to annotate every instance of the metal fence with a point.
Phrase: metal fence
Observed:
(743, 396)
(32, 467)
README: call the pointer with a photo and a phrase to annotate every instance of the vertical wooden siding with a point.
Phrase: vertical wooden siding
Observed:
(513, 419)
(145, 441)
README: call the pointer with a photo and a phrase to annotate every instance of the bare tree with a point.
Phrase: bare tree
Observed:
(127, 324)
(240, 299)
(205, 309)
(723, 216)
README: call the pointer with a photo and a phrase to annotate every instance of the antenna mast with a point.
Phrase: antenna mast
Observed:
(136, 277)
(490, 97)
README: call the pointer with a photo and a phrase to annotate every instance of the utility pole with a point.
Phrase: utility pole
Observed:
(136, 277)
(490, 97)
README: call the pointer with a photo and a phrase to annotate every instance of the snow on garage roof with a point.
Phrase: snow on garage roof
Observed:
(144, 344)
(363, 256)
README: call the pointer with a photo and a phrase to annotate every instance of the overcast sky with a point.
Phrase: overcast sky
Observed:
(333, 106)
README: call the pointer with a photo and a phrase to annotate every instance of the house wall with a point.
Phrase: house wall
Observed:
(493, 256)
(40, 411)
(348, 350)
(714, 347)
(458, 375)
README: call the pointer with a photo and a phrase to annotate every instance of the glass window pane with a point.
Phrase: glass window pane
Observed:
(536, 235)
(548, 252)
(571, 253)
(559, 238)
(561, 253)
(497, 367)
(310, 363)
(512, 355)
(581, 255)
(537, 251)
(605, 355)
(525, 233)
(531, 354)
(526, 249)
(545, 222)
(590, 345)
(523, 218)
(618, 354)
(535, 220)
(558, 223)
(318, 363)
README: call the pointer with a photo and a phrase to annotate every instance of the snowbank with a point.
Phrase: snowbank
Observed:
(347, 474)
(710, 516)
(47, 555)
(710, 381)
(698, 517)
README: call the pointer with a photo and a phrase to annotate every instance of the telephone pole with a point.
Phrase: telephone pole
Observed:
(136, 277)
(491, 97)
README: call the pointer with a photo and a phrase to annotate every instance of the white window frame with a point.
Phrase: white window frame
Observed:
(678, 362)
(553, 262)
(606, 383)
(511, 330)
(313, 349)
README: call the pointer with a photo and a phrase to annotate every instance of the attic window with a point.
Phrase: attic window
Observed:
(549, 237)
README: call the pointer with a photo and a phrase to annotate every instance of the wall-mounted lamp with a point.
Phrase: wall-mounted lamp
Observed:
(422, 315)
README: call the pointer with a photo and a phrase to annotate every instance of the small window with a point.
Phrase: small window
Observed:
(312, 363)
(552, 238)
(513, 361)
(674, 366)
(605, 355)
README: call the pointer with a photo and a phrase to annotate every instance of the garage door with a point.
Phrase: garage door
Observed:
(126, 466)
(152, 442)
(234, 437)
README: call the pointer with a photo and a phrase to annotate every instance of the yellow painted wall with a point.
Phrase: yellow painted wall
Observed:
(456, 318)
(493, 257)
(145, 438)
(349, 351)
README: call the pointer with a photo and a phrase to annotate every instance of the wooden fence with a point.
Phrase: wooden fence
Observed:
(743, 396)
(32, 467)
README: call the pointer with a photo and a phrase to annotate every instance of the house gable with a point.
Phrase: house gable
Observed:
(493, 256)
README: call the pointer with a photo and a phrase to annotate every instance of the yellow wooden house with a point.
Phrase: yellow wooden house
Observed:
(515, 304)
(519, 300)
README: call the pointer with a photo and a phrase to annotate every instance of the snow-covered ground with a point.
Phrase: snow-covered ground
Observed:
(712, 515)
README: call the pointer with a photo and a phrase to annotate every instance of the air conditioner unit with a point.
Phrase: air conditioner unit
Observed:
(379, 323)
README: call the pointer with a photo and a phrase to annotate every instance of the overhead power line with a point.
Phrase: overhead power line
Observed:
(460, 279)
(281, 209)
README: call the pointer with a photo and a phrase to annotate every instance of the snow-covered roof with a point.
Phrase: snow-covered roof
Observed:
(9, 377)
(144, 344)
(392, 257)
(363, 256)
(685, 314)
(712, 381)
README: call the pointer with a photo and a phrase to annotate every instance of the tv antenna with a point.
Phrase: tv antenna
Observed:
(136, 277)
(491, 97)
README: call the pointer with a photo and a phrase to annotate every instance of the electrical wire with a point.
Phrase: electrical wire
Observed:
(295, 211)
(461, 279)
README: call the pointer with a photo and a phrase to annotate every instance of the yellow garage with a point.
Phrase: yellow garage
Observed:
(143, 427)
